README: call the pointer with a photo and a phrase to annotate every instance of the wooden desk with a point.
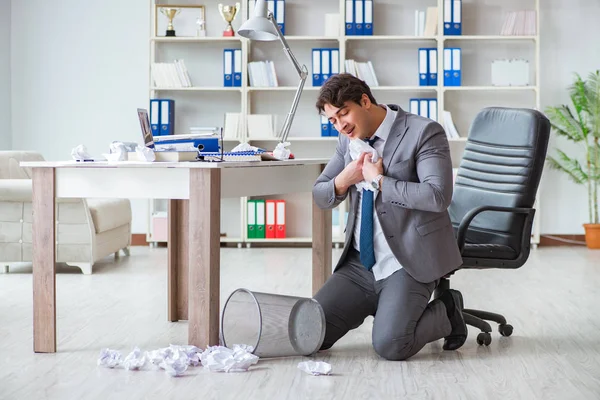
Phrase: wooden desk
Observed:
(195, 190)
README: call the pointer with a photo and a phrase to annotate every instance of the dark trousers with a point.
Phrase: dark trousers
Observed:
(405, 320)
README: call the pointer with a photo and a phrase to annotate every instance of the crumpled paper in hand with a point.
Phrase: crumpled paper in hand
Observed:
(223, 359)
(109, 358)
(315, 367)
(356, 147)
(281, 152)
(80, 153)
(135, 360)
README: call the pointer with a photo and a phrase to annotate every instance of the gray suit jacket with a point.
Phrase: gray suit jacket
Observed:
(412, 205)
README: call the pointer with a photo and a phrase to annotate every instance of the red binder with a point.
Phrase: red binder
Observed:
(270, 219)
(280, 219)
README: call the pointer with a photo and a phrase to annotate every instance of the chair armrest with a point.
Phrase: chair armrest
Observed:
(18, 190)
(468, 218)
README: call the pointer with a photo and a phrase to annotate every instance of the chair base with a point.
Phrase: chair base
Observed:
(478, 318)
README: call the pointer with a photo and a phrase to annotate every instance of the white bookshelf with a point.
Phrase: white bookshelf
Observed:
(393, 51)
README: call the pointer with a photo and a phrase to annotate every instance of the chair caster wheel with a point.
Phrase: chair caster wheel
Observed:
(484, 338)
(505, 329)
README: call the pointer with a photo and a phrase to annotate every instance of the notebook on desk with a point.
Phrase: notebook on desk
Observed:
(233, 156)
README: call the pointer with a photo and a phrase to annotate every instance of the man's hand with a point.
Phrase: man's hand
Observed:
(352, 174)
(370, 170)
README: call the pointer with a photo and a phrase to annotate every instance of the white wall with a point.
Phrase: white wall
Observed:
(569, 32)
(78, 77)
(5, 131)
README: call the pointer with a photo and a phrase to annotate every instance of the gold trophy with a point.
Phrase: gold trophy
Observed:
(228, 13)
(170, 13)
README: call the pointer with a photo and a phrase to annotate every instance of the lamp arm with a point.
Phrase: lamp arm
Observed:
(302, 72)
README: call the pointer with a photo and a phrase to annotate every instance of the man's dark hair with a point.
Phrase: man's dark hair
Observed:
(342, 88)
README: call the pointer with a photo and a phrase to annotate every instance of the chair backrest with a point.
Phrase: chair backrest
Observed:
(501, 166)
(10, 160)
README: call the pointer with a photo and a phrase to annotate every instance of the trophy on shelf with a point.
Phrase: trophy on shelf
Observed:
(200, 27)
(228, 13)
(170, 13)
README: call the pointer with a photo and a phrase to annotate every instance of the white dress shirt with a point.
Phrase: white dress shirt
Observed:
(385, 262)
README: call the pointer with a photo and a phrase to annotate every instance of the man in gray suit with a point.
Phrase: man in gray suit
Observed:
(399, 238)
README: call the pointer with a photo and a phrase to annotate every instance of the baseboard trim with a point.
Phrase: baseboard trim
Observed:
(562, 240)
(139, 239)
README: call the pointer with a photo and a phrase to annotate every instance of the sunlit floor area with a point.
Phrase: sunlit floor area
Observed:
(552, 302)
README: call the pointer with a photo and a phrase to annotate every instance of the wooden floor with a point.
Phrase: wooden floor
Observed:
(552, 302)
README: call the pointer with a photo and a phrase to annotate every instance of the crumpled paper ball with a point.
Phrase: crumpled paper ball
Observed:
(315, 367)
(281, 152)
(134, 360)
(80, 153)
(109, 358)
(223, 359)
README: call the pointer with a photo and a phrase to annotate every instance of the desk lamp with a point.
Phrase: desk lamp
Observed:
(263, 27)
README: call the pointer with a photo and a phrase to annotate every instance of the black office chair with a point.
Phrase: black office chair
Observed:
(494, 194)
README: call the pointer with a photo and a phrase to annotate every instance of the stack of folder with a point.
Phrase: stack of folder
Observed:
(428, 65)
(266, 219)
(325, 63)
(359, 17)
(362, 70)
(327, 128)
(519, 23)
(162, 117)
(262, 74)
(232, 67)
(452, 67)
(424, 107)
(452, 17)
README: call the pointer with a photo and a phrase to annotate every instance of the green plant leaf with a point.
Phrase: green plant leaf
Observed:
(565, 124)
(569, 166)
(595, 155)
(579, 98)
(592, 96)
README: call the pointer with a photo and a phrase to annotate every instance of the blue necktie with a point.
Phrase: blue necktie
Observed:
(367, 251)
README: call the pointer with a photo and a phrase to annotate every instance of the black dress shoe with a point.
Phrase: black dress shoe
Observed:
(453, 301)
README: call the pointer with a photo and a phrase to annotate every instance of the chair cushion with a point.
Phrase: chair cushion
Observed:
(108, 214)
(495, 251)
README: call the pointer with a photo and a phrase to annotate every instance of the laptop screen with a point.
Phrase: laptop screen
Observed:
(145, 125)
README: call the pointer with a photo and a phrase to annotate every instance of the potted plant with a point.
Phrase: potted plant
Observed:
(581, 124)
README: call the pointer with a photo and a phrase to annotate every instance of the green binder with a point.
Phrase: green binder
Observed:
(259, 230)
(251, 219)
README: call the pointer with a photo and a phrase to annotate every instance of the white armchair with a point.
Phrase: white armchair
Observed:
(86, 229)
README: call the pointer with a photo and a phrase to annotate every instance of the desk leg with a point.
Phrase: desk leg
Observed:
(178, 260)
(204, 256)
(321, 233)
(44, 256)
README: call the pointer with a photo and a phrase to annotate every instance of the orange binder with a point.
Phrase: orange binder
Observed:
(280, 219)
(270, 219)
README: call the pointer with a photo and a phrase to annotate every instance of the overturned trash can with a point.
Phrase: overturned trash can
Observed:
(275, 325)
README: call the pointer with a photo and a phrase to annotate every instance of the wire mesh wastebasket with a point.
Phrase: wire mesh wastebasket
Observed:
(275, 325)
